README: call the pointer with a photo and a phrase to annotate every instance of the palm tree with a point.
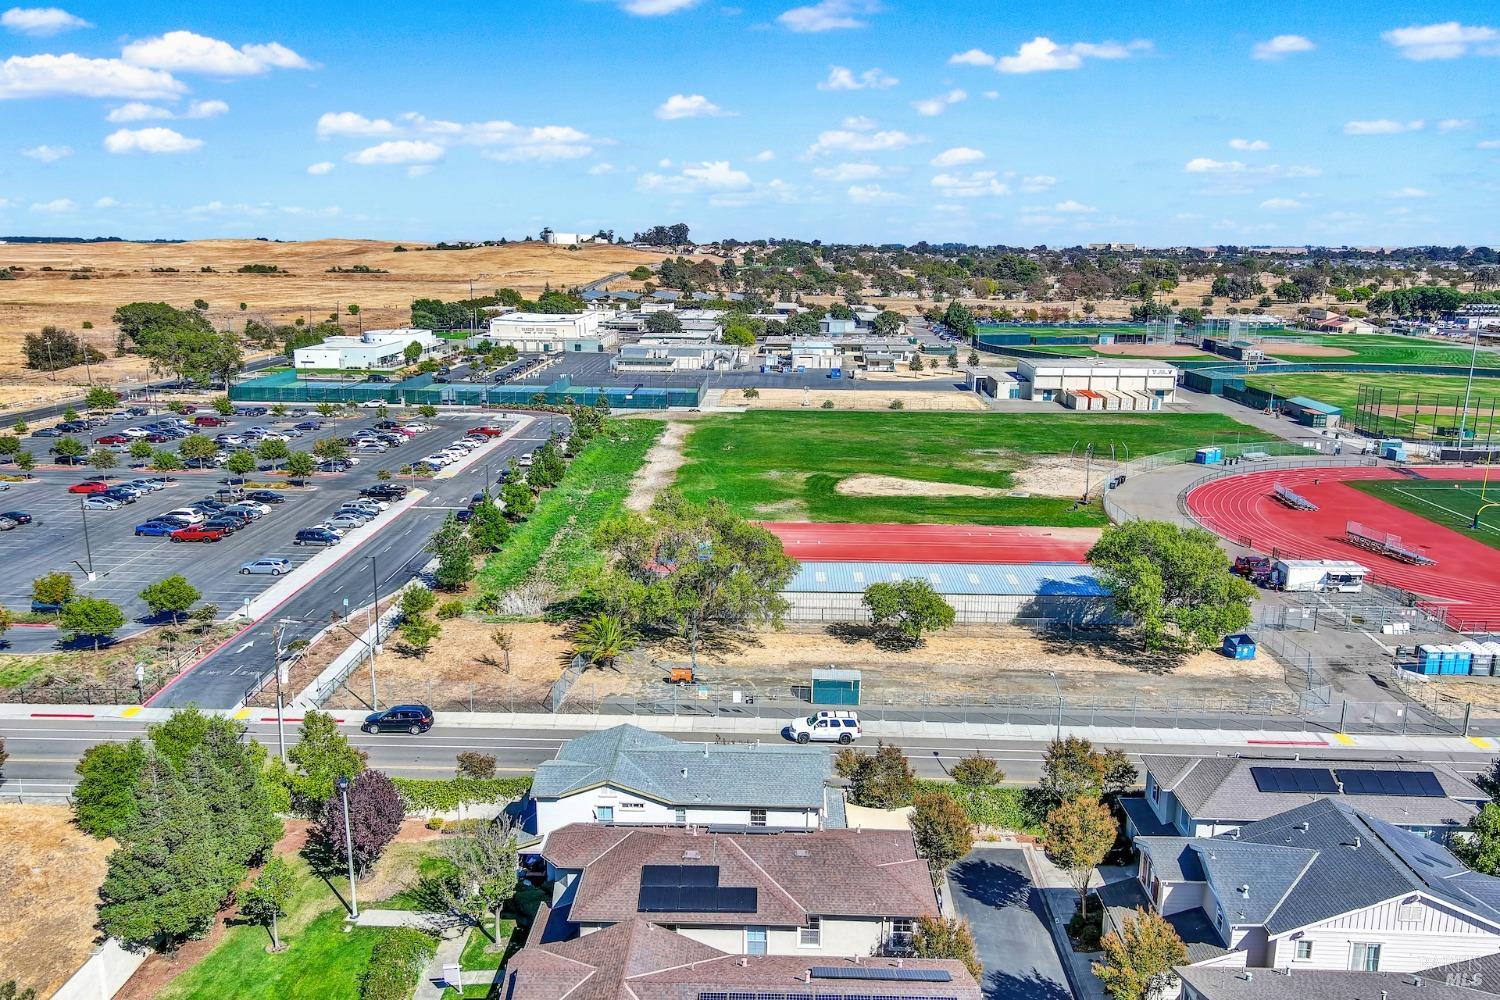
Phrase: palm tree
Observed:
(602, 638)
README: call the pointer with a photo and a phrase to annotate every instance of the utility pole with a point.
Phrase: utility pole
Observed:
(375, 627)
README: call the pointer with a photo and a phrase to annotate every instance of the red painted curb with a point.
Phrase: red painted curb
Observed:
(62, 715)
(1289, 743)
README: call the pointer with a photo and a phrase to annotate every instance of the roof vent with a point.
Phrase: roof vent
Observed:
(1356, 843)
(684, 772)
(1303, 826)
(1244, 890)
(691, 856)
(800, 853)
(1248, 976)
(744, 963)
(807, 976)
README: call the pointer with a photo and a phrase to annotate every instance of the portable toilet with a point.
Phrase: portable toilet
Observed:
(1479, 657)
(1208, 456)
(1239, 647)
(1493, 648)
(1429, 658)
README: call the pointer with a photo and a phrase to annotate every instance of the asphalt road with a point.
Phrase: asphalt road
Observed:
(398, 551)
(43, 751)
(993, 891)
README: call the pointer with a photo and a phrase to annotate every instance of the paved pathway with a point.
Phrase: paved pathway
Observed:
(992, 888)
(449, 950)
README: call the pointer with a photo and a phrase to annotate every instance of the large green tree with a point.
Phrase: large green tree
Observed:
(907, 609)
(1174, 583)
(104, 799)
(92, 618)
(1138, 962)
(321, 755)
(170, 596)
(1077, 836)
(484, 863)
(942, 830)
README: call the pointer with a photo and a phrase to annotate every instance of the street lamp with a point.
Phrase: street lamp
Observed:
(1057, 688)
(375, 625)
(343, 787)
(88, 551)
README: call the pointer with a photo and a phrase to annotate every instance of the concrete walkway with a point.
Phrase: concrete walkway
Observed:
(449, 950)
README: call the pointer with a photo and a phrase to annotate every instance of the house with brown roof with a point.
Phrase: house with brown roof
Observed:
(636, 959)
(806, 894)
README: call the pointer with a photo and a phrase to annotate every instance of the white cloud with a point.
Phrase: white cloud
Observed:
(54, 206)
(1408, 192)
(150, 140)
(1454, 124)
(827, 15)
(973, 57)
(975, 184)
(713, 175)
(872, 194)
(859, 123)
(858, 136)
(320, 168)
(1042, 54)
(72, 75)
(47, 154)
(991, 95)
(1073, 208)
(843, 78)
(1280, 47)
(1037, 182)
(1489, 144)
(1208, 165)
(206, 109)
(106, 202)
(1445, 40)
(688, 106)
(843, 173)
(600, 169)
(655, 8)
(136, 111)
(957, 157)
(937, 105)
(352, 123)
(1280, 204)
(1381, 126)
(40, 22)
(397, 151)
(187, 52)
(1249, 145)
(764, 156)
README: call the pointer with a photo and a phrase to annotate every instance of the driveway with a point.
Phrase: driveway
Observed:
(992, 889)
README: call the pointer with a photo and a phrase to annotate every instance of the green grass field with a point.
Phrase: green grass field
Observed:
(777, 465)
(1451, 504)
(1378, 350)
(1342, 390)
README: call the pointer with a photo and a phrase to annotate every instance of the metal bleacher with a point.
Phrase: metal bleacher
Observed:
(1385, 544)
(1293, 500)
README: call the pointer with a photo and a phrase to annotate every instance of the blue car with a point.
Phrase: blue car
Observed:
(157, 528)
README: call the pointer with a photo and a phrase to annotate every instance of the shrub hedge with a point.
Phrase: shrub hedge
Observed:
(444, 794)
(1003, 807)
(396, 963)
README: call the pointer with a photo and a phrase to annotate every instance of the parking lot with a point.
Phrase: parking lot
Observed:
(63, 536)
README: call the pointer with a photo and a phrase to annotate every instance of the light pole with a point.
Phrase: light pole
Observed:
(1058, 688)
(375, 625)
(1463, 419)
(343, 786)
(88, 551)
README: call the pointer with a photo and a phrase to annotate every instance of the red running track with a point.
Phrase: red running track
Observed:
(938, 543)
(1240, 508)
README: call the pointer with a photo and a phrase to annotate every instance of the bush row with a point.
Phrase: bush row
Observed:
(396, 963)
(444, 794)
(1002, 807)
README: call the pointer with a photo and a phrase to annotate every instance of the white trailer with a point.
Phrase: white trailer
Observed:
(1319, 575)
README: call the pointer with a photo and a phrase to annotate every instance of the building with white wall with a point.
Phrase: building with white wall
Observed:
(371, 349)
(1143, 385)
(552, 333)
(631, 776)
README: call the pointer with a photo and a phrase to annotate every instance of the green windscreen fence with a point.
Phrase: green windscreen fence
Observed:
(286, 387)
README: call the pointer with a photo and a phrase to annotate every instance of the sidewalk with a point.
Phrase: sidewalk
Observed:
(1060, 902)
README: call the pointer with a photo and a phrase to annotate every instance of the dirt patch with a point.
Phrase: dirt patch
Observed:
(851, 399)
(895, 486)
(660, 467)
(1306, 351)
(46, 860)
(1150, 350)
(1058, 476)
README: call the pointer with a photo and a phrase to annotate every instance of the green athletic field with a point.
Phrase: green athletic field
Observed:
(1342, 388)
(1377, 350)
(786, 465)
(1451, 504)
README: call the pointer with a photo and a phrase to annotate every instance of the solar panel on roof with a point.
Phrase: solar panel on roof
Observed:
(881, 972)
(679, 875)
(1420, 784)
(1310, 780)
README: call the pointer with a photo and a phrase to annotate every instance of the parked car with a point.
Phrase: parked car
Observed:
(197, 533)
(101, 502)
(246, 510)
(371, 404)
(309, 425)
(265, 496)
(384, 491)
(112, 439)
(157, 528)
(187, 514)
(826, 727)
(225, 523)
(90, 486)
(228, 439)
(138, 411)
(6, 524)
(414, 719)
(274, 565)
(487, 431)
(316, 536)
(120, 493)
(373, 505)
(207, 421)
(47, 432)
(135, 432)
(346, 520)
(251, 411)
(207, 507)
(44, 608)
(18, 516)
(337, 465)
(370, 444)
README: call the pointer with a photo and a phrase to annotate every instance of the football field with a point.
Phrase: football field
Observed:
(1471, 508)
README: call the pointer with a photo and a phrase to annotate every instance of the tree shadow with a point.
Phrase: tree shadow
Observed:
(998, 985)
(990, 883)
(853, 633)
(1111, 645)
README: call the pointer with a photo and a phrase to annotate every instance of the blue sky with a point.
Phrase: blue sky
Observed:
(1020, 122)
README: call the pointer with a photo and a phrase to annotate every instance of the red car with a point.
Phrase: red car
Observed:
(112, 439)
(488, 432)
(92, 486)
(189, 408)
(210, 421)
(196, 535)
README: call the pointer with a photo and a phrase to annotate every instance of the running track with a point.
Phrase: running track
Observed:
(1240, 508)
(933, 543)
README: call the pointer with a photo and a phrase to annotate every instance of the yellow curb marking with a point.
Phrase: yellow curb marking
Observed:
(131, 712)
(1343, 740)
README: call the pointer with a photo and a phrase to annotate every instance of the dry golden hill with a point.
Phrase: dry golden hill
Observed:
(124, 272)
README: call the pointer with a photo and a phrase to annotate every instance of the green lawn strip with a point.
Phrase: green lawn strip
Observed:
(779, 465)
(1341, 389)
(596, 483)
(477, 953)
(1380, 350)
(17, 672)
(1003, 807)
(423, 891)
(1451, 505)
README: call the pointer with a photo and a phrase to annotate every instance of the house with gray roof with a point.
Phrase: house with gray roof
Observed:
(629, 776)
(1321, 886)
(1205, 796)
(1207, 983)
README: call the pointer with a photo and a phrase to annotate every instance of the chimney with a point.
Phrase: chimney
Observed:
(899, 964)
(1248, 975)
(684, 772)
(1385, 995)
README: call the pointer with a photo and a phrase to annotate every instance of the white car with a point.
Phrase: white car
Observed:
(439, 459)
(345, 520)
(825, 727)
(370, 444)
(101, 503)
(524, 461)
(135, 432)
(187, 514)
(273, 565)
(362, 516)
(370, 504)
(372, 404)
(326, 526)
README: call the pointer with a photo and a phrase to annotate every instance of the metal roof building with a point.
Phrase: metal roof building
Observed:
(993, 593)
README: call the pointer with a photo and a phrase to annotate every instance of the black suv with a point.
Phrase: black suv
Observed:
(414, 719)
(384, 491)
(265, 496)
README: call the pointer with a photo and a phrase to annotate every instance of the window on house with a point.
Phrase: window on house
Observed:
(604, 814)
(811, 936)
(680, 817)
(757, 817)
(901, 933)
(755, 940)
(1304, 950)
(1364, 957)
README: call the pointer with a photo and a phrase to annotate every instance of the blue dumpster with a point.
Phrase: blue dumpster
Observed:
(1239, 647)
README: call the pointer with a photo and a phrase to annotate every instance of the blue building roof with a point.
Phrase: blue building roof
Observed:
(991, 579)
(1315, 406)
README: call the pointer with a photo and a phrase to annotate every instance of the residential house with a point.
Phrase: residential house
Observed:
(1321, 886)
(1205, 796)
(1208, 983)
(824, 892)
(631, 776)
(635, 959)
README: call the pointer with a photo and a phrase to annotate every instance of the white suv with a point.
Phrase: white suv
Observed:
(827, 727)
